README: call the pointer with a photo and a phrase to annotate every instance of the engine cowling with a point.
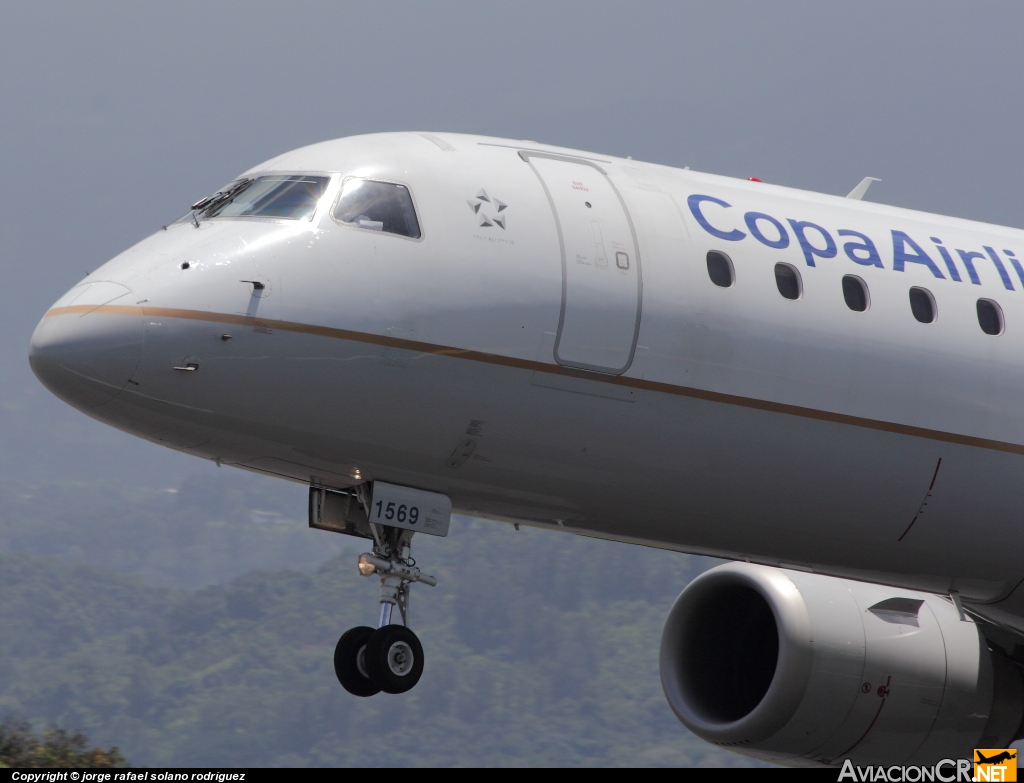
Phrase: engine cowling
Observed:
(800, 668)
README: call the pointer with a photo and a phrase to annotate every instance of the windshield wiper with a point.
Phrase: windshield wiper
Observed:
(218, 199)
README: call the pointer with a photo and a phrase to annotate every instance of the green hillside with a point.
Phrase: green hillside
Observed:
(541, 648)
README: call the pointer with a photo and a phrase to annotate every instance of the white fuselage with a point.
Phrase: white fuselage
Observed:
(538, 362)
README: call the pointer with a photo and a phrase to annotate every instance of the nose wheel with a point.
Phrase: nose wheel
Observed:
(368, 661)
(388, 658)
(350, 662)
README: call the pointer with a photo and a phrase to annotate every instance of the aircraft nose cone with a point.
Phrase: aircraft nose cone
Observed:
(88, 345)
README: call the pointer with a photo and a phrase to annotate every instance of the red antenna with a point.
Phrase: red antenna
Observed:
(753, 179)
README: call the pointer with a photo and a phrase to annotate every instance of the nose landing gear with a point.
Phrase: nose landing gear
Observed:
(388, 658)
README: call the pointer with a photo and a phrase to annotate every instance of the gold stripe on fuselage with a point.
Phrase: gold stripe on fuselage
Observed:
(550, 369)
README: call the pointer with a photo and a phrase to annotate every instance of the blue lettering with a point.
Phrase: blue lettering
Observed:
(953, 271)
(810, 251)
(999, 266)
(1016, 264)
(900, 256)
(864, 246)
(694, 201)
(967, 258)
(751, 219)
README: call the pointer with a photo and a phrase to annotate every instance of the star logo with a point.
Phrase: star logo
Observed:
(489, 210)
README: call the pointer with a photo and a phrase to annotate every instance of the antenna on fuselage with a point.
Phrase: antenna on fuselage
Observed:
(859, 191)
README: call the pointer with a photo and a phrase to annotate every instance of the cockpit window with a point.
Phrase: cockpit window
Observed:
(274, 196)
(379, 206)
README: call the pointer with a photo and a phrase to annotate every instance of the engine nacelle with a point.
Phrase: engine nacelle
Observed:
(800, 668)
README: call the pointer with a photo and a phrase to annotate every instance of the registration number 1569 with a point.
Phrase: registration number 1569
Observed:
(411, 509)
(401, 513)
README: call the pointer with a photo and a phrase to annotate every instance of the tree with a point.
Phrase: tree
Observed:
(20, 747)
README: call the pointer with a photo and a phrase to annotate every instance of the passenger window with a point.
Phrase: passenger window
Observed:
(855, 292)
(378, 206)
(720, 269)
(787, 280)
(922, 305)
(990, 317)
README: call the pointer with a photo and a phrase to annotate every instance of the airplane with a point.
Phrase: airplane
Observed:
(1005, 755)
(821, 390)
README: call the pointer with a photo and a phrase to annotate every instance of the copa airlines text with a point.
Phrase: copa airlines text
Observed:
(861, 249)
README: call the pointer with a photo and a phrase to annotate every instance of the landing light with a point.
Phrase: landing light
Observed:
(366, 568)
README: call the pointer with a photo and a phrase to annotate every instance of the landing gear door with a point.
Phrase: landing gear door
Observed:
(602, 284)
(338, 512)
(410, 509)
(390, 506)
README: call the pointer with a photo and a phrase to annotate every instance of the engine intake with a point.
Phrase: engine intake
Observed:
(800, 668)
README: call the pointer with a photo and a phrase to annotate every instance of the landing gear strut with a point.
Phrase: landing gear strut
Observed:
(390, 657)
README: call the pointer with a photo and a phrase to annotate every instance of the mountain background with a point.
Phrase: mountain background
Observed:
(195, 626)
(184, 612)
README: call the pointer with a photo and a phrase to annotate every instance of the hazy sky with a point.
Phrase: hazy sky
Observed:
(114, 117)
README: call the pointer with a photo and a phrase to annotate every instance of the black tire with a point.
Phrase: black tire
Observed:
(346, 662)
(388, 658)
